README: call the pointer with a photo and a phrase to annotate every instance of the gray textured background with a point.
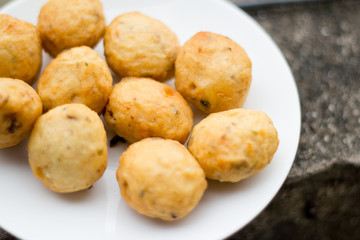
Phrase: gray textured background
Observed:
(321, 196)
(2, 2)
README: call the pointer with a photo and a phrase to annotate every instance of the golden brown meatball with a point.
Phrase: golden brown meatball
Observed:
(78, 75)
(159, 178)
(141, 107)
(234, 144)
(20, 106)
(20, 49)
(65, 24)
(140, 46)
(213, 72)
(67, 148)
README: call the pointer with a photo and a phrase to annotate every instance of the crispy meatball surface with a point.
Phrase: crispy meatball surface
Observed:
(140, 46)
(159, 178)
(234, 144)
(67, 148)
(213, 72)
(78, 75)
(141, 107)
(20, 49)
(20, 106)
(65, 24)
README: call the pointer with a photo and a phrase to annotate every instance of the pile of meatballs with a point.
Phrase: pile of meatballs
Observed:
(158, 175)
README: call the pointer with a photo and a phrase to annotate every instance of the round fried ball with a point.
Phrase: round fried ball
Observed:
(20, 106)
(141, 107)
(65, 24)
(234, 144)
(67, 148)
(213, 72)
(140, 46)
(78, 75)
(159, 178)
(20, 49)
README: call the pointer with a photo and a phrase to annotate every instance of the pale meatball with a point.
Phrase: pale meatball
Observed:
(234, 144)
(65, 24)
(213, 72)
(78, 75)
(140, 46)
(67, 148)
(20, 49)
(159, 178)
(141, 107)
(20, 106)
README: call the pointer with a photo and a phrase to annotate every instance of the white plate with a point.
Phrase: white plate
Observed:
(30, 211)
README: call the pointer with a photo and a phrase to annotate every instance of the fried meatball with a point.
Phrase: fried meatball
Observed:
(65, 24)
(67, 148)
(140, 46)
(20, 49)
(20, 106)
(78, 75)
(234, 144)
(142, 107)
(159, 178)
(213, 72)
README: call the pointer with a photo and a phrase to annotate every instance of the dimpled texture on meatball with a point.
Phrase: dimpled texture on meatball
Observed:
(137, 45)
(142, 107)
(65, 24)
(67, 148)
(213, 72)
(234, 144)
(20, 106)
(159, 178)
(78, 75)
(20, 49)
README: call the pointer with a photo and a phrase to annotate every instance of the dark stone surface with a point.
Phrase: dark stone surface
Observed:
(322, 206)
(321, 43)
(321, 197)
(6, 236)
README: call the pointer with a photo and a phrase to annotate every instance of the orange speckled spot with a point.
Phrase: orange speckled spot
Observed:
(169, 91)
(220, 94)
(39, 173)
(250, 147)
(221, 164)
(8, 29)
(262, 133)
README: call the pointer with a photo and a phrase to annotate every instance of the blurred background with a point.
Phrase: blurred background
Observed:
(320, 198)
(2, 2)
